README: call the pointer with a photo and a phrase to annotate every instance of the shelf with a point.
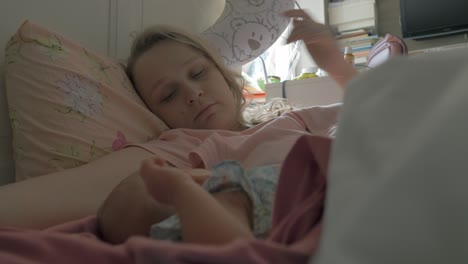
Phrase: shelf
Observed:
(352, 14)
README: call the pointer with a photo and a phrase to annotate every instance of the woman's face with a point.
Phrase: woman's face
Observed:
(184, 88)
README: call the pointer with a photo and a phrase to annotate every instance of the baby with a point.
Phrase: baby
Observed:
(192, 205)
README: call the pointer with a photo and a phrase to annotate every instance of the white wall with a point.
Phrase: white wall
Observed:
(86, 23)
(134, 15)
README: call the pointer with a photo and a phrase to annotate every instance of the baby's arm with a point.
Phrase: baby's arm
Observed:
(203, 219)
(321, 45)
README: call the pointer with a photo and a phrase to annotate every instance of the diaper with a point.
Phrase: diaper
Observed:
(258, 183)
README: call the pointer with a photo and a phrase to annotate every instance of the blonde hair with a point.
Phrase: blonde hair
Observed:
(154, 35)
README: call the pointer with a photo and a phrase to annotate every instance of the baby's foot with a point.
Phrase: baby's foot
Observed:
(162, 181)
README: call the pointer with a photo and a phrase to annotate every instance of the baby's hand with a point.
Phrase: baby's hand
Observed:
(198, 175)
(162, 181)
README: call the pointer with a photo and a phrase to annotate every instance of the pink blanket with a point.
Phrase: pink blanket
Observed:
(294, 237)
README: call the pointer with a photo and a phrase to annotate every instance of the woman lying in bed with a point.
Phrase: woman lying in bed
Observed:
(188, 87)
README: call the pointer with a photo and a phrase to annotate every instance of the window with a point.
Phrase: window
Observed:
(279, 60)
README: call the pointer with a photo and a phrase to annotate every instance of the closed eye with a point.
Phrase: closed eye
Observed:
(198, 74)
(170, 96)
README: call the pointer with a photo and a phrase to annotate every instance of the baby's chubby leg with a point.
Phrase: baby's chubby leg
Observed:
(129, 210)
(204, 219)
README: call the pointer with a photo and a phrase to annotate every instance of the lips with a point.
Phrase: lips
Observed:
(205, 110)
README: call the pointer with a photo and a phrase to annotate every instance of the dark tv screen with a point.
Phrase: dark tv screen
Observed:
(422, 19)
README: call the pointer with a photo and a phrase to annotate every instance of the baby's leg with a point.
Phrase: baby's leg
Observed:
(129, 210)
(238, 203)
(204, 219)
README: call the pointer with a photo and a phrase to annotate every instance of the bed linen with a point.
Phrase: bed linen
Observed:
(397, 184)
(68, 105)
(294, 236)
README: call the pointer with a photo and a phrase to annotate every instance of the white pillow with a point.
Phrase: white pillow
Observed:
(397, 190)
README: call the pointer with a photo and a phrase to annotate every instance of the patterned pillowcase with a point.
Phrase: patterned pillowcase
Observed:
(67, 104)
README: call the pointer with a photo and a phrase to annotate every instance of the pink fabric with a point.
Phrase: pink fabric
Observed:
(294, 237)
(264, 144)
(67, 104)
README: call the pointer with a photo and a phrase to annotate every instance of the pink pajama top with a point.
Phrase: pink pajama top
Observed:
(264, 144)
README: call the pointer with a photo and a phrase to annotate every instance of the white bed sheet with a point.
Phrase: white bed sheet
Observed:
(397, 190)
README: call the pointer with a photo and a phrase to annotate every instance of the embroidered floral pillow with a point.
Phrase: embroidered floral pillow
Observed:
(67, 104)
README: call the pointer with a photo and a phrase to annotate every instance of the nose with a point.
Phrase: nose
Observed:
(194, 94)
(253, 44)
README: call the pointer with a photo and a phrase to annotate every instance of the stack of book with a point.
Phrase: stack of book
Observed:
(360, 40)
